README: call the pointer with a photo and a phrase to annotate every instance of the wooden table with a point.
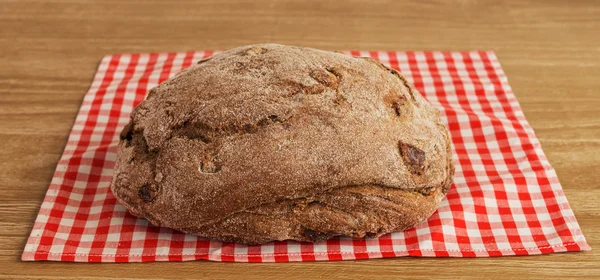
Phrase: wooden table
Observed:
(49, 52)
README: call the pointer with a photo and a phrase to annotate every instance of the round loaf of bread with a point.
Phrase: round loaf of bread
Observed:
(272, 142)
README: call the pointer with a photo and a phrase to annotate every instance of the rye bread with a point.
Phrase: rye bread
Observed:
(272, 142)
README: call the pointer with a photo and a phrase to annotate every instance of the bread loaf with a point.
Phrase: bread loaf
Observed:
(272, 142)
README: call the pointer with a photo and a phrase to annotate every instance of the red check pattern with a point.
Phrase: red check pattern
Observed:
(506, 198)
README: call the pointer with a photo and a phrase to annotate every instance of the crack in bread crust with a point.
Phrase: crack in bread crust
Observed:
(423, 191)
(298, 211)
(395, 73)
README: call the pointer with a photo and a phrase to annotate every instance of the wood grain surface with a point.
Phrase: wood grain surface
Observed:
(49, 51)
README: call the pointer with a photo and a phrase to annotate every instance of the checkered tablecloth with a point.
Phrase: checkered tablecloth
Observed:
(505, 200)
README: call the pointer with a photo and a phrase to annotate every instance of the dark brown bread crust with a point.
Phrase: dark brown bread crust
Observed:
(271, 142)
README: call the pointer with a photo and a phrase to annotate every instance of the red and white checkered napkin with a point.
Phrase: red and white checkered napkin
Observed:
(506, 198)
